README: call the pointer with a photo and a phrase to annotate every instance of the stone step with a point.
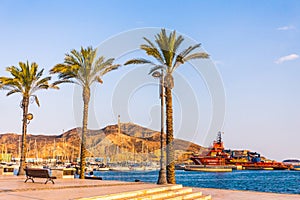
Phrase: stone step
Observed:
(162, 194)
(192, 195)
(169, 192)
(207, 197)
(131, 194)
(189, 196)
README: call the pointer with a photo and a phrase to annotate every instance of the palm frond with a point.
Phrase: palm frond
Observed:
(195, 56)
(36, 99)
(152, 50)
(99, 61)
(138, 61)
(74, 58)
(104, 64)
(189, 50)
(33, 69)
(39, 74)
(64, 81)
(65, 71)
(100, 66)
(155, 68)
(10, 83)
(177, 43)
(54, 87)
(108, 69)
(15, 72)
(43, 81)
(13, 91)
(98, 79)
(184, 56)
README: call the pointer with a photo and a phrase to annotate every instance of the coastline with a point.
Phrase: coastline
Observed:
(14, 188)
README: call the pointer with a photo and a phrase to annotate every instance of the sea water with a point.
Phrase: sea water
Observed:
(252, 180)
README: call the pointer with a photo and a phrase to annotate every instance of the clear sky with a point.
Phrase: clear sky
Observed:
(254, 45)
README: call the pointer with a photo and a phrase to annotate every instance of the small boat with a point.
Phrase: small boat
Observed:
(90, 175)
(180, 167)
(101, 169)
(120, 168)
(97, 167)
(93, 177)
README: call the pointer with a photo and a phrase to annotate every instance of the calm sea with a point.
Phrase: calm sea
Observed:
(263, 181)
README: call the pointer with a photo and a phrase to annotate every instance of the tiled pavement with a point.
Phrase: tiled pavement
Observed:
(14, 188)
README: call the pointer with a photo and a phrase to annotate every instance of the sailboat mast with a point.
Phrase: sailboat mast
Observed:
(119, 125)
(35, 149)
(54, 149)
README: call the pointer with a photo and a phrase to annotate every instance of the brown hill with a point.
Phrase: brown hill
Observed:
(132, 142)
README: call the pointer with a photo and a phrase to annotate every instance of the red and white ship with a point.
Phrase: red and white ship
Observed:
(218, 156)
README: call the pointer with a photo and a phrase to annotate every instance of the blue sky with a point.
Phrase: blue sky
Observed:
(255, 46)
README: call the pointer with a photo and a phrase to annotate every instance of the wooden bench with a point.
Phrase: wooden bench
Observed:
(38, 173)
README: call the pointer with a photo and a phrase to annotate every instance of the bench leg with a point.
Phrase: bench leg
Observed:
(29, 178)
(49, 179)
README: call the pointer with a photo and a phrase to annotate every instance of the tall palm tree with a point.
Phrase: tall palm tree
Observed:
(83, 68)
(167, 57)
(26, 80)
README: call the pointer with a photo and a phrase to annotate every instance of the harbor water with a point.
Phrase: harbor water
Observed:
(286, 181)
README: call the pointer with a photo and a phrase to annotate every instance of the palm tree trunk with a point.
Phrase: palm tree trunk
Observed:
(86, 99)
(25, 103)
(170, 150)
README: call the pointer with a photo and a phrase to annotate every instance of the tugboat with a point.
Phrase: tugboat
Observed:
(216, 155)
(240, 159)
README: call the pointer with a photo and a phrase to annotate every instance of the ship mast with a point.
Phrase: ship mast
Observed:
(219, 137)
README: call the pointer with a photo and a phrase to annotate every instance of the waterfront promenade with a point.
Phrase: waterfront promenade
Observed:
(14, 188)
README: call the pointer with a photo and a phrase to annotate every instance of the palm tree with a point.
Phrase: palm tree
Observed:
(82, 68)
(168, 59)
(26, 80)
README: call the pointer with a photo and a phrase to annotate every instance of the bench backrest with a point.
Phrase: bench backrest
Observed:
(35, 172)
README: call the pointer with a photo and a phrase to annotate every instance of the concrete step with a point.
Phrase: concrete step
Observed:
(169, 192)
(192, 195)
(162, 194)
(131, 194)
(189, 196)
(207, 197)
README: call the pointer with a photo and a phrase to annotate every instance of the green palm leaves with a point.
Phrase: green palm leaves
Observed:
(82, 67)
(26, 80)
(166, 53)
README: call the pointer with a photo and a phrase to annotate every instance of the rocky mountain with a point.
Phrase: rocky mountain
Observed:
(130, 142)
